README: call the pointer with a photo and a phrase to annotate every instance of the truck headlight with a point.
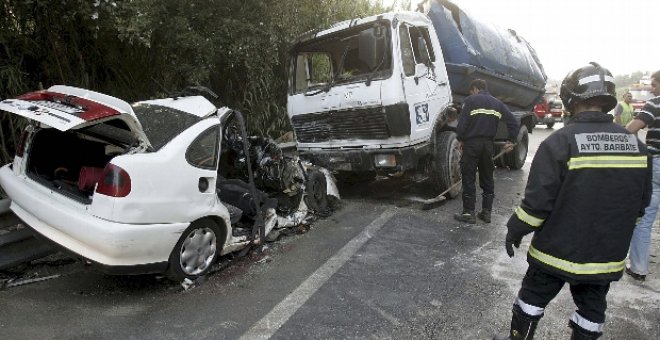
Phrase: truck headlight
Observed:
(385, 161)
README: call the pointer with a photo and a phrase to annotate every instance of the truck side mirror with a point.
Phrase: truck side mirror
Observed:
(372, 46)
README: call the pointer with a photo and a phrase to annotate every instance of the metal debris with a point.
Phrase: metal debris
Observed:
(11, 283)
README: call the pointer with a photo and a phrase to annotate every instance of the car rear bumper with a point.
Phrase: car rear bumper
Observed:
(70, 225)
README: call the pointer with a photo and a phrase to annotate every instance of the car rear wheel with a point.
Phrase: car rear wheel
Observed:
(550, 125)
(195, 251)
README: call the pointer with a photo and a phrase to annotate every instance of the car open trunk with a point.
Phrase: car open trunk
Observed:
(76, 133)
(69, 162)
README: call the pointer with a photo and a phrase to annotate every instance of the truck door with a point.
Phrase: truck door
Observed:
(424, 85)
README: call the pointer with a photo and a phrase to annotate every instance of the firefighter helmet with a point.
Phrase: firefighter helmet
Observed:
(587, 82)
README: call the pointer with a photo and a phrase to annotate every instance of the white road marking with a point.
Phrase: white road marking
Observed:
(269, 324)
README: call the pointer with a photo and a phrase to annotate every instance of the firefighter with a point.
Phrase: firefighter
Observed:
(588, 183)
(477, 126)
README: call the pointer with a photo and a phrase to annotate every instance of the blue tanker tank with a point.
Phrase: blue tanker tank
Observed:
(474, 49)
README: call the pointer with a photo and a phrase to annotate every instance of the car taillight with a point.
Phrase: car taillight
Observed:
(115, 182)
(20, 147)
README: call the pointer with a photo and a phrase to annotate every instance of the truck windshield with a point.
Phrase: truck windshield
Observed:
(339, 58)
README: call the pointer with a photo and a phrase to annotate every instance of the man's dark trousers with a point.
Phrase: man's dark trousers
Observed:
(477, 155)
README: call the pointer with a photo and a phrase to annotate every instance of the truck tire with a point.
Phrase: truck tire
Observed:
(446, 167)
(516, 158)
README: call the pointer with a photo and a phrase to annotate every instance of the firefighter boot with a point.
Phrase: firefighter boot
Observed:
(580, 333)
(486, 207)
(484, 215)
(466, 216)
(523, 326)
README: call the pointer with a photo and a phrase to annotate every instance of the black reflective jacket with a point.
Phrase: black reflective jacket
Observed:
(588, 184)
(480, 116)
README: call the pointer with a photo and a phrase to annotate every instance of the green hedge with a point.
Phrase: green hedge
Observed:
(143, 49)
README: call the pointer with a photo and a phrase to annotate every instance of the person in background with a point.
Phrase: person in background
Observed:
(477, 126)
(582, 227)
(641, 241)
(623, 112)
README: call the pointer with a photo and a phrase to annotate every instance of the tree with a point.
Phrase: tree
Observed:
(141, 49)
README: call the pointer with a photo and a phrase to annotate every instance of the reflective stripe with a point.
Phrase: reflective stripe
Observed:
(586, 324)
(485, 112)
(607, 162)
(576, 268)
(527, 218)
(591, 79)
(529, 309)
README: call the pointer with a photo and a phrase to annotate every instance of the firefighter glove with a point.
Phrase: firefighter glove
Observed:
(510, 242)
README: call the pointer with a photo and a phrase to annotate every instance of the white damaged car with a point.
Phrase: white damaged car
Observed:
(131, 188)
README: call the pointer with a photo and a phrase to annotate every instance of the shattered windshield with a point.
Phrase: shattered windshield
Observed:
(341, 58)
(161, 124)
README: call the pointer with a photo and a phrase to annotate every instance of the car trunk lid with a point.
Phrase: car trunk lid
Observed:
(65, 108)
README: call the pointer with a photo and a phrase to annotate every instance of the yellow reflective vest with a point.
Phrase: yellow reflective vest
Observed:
(626, 113)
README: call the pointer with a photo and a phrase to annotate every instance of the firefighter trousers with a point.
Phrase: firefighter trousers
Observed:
(477, 157)
(540, 287)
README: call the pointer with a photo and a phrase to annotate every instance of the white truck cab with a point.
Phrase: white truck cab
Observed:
(379, 94)
(371, 95)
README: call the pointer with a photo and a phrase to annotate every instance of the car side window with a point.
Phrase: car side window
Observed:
(407, 57)
(203, 152)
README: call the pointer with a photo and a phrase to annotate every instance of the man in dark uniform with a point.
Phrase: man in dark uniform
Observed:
(573, 204)
(477, 126)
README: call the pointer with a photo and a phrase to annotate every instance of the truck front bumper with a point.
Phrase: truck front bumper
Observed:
(367, 160)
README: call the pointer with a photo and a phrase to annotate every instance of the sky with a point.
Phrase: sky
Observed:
(623, 36)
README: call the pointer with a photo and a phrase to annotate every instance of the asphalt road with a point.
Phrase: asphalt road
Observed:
(379, 268)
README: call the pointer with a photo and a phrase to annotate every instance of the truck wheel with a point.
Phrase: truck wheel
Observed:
(516, 158)
(195, 251)
(446, 168)
(550, 125)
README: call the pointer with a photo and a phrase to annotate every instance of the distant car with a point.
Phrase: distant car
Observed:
(549, 111)
(131, 188)
(556, 110)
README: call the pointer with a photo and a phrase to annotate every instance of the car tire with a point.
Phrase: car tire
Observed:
(550, 125)
(195, 252)
(446, 166)
(515, 159)
(316, 190)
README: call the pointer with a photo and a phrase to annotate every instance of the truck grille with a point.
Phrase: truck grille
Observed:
(341, 125)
